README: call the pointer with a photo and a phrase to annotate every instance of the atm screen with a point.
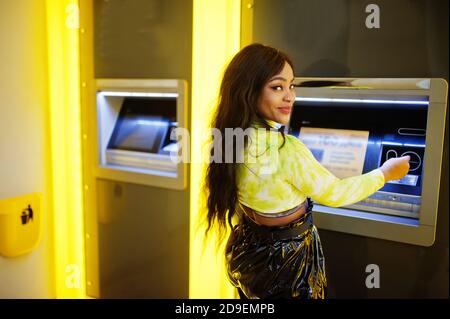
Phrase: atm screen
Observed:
(342, 152)
(143, 124)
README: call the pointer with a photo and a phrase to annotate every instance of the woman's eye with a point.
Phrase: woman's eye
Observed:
(280, 87)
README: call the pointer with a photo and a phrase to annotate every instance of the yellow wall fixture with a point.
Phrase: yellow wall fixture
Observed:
(20, 224)
(216, 31)
(63, 64)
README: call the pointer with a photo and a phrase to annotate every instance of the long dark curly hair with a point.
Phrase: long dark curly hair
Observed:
(242, 84)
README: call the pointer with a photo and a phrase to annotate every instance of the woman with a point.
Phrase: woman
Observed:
(274, 249)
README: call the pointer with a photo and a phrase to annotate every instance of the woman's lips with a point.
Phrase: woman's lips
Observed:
(285, 110)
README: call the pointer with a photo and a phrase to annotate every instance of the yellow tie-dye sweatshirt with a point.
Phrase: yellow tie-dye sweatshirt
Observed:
(271, 179)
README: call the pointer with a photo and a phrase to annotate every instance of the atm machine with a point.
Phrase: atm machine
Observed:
(137, 221)
(135, 70)
(353, 126)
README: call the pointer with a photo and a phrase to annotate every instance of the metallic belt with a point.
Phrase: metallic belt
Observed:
(307, 203)
(294, 229)
(281, 214)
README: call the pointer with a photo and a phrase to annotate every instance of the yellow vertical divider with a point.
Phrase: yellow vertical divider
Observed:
(64, 98)
(216, 35)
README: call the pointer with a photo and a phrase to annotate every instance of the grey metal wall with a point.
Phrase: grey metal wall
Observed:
(329, 38)
(143, 38)
(144, 242)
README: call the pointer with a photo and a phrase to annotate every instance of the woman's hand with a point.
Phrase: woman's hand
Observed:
(395, 168)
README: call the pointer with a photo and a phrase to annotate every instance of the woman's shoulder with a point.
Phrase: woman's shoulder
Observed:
(294, 141)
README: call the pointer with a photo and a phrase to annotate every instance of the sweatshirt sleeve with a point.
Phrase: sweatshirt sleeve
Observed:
(314, 180)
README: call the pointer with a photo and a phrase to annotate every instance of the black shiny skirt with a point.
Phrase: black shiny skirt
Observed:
(277, 262)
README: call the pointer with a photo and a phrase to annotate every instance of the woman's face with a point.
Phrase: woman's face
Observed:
(278, 96)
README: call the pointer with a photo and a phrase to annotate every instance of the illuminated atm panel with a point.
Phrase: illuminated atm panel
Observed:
(353, 126)
(137, 120)
(141, 135)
